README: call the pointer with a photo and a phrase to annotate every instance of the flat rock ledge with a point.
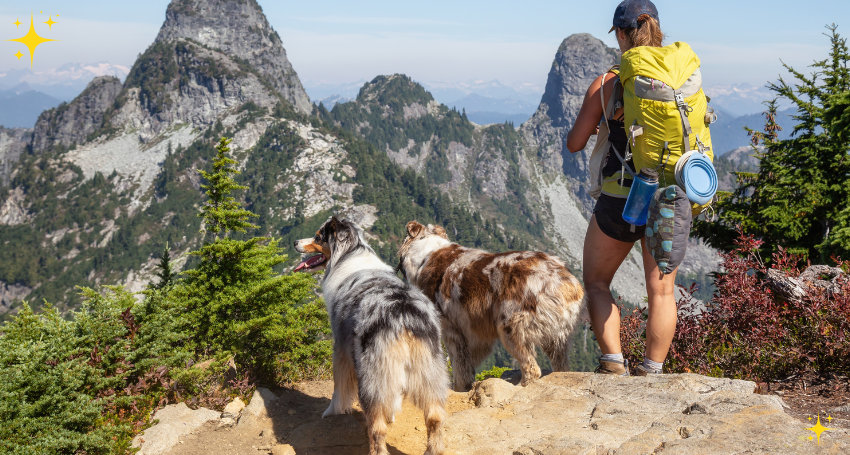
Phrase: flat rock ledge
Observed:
(588, 414)
(559, 414)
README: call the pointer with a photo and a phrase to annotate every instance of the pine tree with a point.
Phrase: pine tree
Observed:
(799, 199)
(166, 273)
(222, 213)
(237, 303)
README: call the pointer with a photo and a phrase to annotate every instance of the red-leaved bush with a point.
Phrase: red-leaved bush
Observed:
(748, 331)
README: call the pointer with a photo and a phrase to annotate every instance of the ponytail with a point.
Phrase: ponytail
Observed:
(647, 33)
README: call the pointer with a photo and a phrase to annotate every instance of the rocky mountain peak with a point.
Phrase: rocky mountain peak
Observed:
(581, 58)
(72, 123)
(394, 88)
(240, 29)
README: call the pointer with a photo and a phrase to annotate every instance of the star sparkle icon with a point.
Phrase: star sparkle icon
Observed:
(50, 22)
(31, 40)
(818, 429)
(17, 23)
(18, 54)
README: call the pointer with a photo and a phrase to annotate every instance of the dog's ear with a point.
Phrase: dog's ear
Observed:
(414, 229)
(340, 230)
(440, 231)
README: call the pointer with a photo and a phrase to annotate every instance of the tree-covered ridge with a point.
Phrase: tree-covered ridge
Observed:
(384, 114)
(397, 114)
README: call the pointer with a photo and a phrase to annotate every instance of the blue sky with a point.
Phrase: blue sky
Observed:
(343, 41)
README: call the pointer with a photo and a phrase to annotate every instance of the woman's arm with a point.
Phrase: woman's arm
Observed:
(590, 114)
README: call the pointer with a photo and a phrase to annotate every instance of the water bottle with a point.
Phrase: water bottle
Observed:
(637, 205)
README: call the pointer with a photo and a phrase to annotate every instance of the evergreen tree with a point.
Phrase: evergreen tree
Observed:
(222, 213)
(800, 196)
(166, 273)
(237, 303)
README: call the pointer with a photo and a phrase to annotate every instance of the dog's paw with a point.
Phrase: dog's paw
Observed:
(329, 411)
(391, 418)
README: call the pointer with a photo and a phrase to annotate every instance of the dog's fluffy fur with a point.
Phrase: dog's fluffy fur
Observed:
(524, 298)
(386, 336)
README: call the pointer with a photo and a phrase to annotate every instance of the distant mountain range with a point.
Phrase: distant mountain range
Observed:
(63, 83)
(741, 99)
(728, 132)
(21, 106)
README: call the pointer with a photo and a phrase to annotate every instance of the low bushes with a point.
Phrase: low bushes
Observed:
(748, 330)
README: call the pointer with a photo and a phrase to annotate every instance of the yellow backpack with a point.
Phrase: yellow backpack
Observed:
(666, 113)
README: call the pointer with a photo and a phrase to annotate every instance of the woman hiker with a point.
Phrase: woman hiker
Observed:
(609, 237)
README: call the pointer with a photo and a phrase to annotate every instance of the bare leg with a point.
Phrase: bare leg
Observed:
(434, 415)
(661, 320)
(523, 350)
(602, 257)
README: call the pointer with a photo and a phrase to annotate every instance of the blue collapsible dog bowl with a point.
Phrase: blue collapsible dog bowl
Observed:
(698, 178)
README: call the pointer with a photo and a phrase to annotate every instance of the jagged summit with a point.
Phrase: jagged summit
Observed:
(238, 28)
(581, 58)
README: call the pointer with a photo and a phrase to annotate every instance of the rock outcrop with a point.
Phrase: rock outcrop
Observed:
(175, 422)
(13, 142)
(580, 59)
(9, 294)
(72, 123)
(561, 413)
(240, 29)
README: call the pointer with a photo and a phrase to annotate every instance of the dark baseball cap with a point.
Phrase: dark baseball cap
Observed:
(627, 13)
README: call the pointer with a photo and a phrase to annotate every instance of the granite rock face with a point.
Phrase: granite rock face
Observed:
(246, 34)
(13, 142)
(580, 59)
(72, 123)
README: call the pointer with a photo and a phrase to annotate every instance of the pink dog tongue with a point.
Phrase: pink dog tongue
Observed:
(311, 262)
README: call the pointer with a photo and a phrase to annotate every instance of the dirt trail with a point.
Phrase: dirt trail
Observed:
(301, 407)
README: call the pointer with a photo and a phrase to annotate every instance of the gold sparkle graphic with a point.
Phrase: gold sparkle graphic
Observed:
(31, 40)
(17, 23)
(818, 429)
(19, 55)
(50, 22)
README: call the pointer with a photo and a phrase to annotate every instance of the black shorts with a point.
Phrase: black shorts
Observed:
(609, 217)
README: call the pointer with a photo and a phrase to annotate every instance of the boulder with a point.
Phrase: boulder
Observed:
(283, 449)
(175, 421)
(258, 409)
(233, 408)
(492, 392)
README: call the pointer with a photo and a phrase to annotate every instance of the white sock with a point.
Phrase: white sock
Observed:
(612, 357)
(652, 365)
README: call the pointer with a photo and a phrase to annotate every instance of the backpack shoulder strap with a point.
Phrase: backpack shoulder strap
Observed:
(618, 91)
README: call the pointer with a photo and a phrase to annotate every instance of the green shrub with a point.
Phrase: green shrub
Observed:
(495, 372)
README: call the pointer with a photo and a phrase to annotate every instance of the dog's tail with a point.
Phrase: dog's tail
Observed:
(411, 364)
